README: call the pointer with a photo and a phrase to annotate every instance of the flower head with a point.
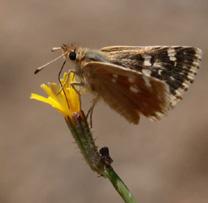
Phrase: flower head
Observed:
(63, 98)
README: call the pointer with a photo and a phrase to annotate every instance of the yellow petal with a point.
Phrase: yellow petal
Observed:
(63, 98)
(49, 101)
(75, 98)
(48, 90)
(39, 98)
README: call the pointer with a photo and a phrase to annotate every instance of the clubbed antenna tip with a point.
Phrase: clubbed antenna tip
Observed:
(37, 70)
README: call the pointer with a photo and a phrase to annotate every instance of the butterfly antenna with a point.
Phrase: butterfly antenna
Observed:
(37, 70)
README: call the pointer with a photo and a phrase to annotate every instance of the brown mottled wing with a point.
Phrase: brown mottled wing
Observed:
(174, 65)
(127, 91)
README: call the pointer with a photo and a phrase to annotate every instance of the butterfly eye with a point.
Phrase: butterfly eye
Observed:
(72, 55)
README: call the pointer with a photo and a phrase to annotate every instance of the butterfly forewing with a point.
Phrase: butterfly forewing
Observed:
(174, 65)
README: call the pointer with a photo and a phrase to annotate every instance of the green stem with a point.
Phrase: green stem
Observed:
(119, 185)
(81, 132)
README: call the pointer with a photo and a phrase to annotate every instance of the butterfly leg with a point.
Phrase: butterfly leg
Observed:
(59, 76)
(62, 86)
(74, 84)
(90, 111)
(77, 84)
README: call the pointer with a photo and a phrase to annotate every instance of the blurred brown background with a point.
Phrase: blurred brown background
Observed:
(161, 162)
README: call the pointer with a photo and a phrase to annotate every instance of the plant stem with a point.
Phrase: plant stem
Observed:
(97, 161)
(119, 185)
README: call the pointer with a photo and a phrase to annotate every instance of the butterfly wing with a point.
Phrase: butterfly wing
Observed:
(174, 65)
(120, 48)
(128, 92)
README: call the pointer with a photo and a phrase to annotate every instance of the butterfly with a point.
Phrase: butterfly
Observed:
(136, 80)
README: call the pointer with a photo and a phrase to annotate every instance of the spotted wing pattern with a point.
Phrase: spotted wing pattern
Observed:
(174, 65)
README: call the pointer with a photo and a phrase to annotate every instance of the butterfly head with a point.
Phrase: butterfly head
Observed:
(73, 53)
(70, 53)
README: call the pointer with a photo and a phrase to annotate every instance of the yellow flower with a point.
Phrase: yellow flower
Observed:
(63, 98)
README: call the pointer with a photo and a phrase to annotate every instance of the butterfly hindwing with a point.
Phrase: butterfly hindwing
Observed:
(127, 91)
